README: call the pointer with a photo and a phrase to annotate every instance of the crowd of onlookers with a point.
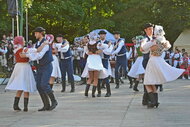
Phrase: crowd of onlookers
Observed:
(179, 59)
(6, 51)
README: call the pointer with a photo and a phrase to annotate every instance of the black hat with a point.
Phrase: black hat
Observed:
(59, 35)
(116, 32)
(147, 25)
(102, 32)
(39, 29)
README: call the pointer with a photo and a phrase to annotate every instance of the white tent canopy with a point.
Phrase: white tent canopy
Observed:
(183, 41)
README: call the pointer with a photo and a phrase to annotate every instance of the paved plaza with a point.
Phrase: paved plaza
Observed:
(123, 109)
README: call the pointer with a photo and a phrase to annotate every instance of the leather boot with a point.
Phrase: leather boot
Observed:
(103, 85)
(72, 87)
(117, 84)
(53, 101)
(161, 88)
(135, 86)
(86, 90)
(131, 82)
(25, 104)
(145, 99)
(152, 100)
(111, 80)
(45, 101)
(156, 97)
(63, 86)
(93, 91)
(99, 88)
(108, 94)
(15, 105)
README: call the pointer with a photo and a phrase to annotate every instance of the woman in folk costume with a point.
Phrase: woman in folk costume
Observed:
(94, 69)
(56, 72)
(185, 65)
(22, 78)
(158, 71)
(137, 69)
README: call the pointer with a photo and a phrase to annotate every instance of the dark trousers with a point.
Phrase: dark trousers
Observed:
(121, 62)
(66, 66)
(82, 64)
(42, 78)
(105, 63)
(145, 62)
(76, 66)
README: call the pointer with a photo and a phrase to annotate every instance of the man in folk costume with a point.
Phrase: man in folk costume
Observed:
(66, 63)
(148, 29)
(105, 61)
(121, 59)
(44, 70)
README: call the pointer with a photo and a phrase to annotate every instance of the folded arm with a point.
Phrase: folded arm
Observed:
(120, 45)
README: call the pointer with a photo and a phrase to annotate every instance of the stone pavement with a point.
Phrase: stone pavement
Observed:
(123, 109)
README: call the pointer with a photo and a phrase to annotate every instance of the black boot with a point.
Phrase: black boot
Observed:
(99, 88)
(135, 86)
(103, 85)
(25, 104)
(117, 84)
(93, 91)
(161, 88)
(156, 97)
(72, 87)
(86, 90)
(63, 86)
(131, 82)
(112, 80)
(108, 94)
(131, 85)
(45, 101)
(145, 99)
(15, 105)
(53, 101)
(152, 100)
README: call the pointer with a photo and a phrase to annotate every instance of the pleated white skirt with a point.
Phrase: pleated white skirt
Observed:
(94, 63)
(56, 72)
(137, 68)
(22, 78)
(160, 72)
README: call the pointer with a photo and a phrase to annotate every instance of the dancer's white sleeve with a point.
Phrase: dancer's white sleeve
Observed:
(37, 56)
(65, 48)
(121, 44)
(108, 50)
(102, 46)
(145, 45)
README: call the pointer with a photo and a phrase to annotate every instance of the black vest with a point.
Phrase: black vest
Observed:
(47, 58)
